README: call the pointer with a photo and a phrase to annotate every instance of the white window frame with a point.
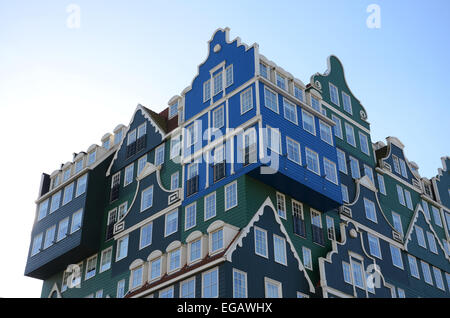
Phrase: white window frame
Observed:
(160, 151)
(395, 248)
(220, 109)
(242, 99)
(150, 188)
(226, 189)
(276, 98)
(283, 250)
(348, 128)
(102, 258)
(266, 247)
(118, 248)
(275, 283)
(245, 288)
(215, 269)
(306, 254)
(338, 127)
(316, 155)
(372, 204)
(165, 223)
(290, 104)
(281, 205)
(332, 165)
(295, 145)
(72, 230)
(307, 114)
(329, 133)
(331, 87)
(150, 224)
(377, 248)
(205, 217)
(127, 173)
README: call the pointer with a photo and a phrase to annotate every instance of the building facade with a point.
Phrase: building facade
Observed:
(249, 184)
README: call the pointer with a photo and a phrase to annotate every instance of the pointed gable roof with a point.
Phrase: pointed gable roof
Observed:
(246, 230)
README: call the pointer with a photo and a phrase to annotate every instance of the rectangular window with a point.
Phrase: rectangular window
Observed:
(122, 210)
(369, 208)
(76, 221)
(308, 122)
(315, 104)
(141, 130)
(273, 139)
(364, 143)
(401, 293)
(347, 103)
(78, 166)
(91, 267)
(293, 150)
(273, 288)
(68, 194)
(141, 164)
(129, 172)
(354, 168)
(155, 269)
(246, 100)
(408, 200)
(171, 223)
(290, 111)
(187, 288)
(347, 273)
(146, 198)
(231, 199)
(63, 227)
(166, 293)
(374, 246)
(298, 92)
(298, 218)
(413, 266)
(260, 242)
(312, 161)
(329, 168)
(369, 173)
(432, 242)
(281, 81)
(420, 236)
(218, 117)
(403, 168)
(239, 284)
(381, 185)
(136, 275)
(330, 228)
(131, 137)
(334, 95)
(426, 209)
(325, 132)
(173, 110)
(37, 243)
(175, 146)
(43, 207)
(49, 237)
(263, 70)
(190, 216)
(281, 205)
(174, 260)
(56, 201)
(401, 196)
(279, 246)
(307, 258)
(396, 164)
(195, 248)
(122, 248)
(91, 157)
(146, 235)
(337, 127)
(121, 288)
(426, 273)
(342, 162)
(216, 241)
(192, 134)
(438, 278)
(218, 83)
(206, 90)
(344, 191)
(210, 284)
(66, 175)
(436, 216)
(105, 261)
(210, 206)
(159, 155)
(350, 134)
(397, 220)
(81, 185)
(271, 99)
(396, 255)
(358, 273)
(229, 76)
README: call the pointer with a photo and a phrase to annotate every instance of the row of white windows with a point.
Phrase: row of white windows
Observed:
(218, 81)
(355, 170)
(52, 204)
(43, 240)
(375, 250)
(293, 151)
(350, 136)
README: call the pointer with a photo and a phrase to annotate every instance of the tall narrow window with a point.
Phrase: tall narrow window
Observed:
(413, 266)
(381, 185)
(334, 95)
(354, 168)
(56, 201)
(307, 258)
(210, 284)
(122, 248)
(229, 76)
(68, 194)
(207, 90)
(239, 284)
(290, 111)
(347, 103)
(105, 261)
(281, 205)
(420, 236)
(400, 194)
(350, 134)
(279, 247)
(330, 170)
(91, 267)
(271, 99)
(49, 237)
(342, 161)
(159, 155)
(63, 227)
(369, 173)
(432, 242)
(171, 223)
(330, 228)
(81, 185)
(436, 216)
(281, 81)
(397, 221)
(364, 143)
(358, 273)
(187, 288)
(218, 83)
(141, 164)
(218, 117)
(260, 242)
(246, 100)
(146, 235)
(325, 132)
(293, 150)
(374, 245)
(312, 161)
(210, 206)
(190, 216)
(337, 127)
(308, 122)
(43, 207)
(147, 198)
(370, 210)
(298, 218)
(76, 221)
(263, 70)
(344, 191)
(426, 273)
(231, 196)
(37, 243)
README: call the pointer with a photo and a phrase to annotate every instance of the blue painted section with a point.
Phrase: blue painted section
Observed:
(396, 151)
(230, 53)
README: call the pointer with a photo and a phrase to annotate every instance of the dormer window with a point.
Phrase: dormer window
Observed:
(298, 92)
(281, 81)
(263, 70)
(78, 166)
(216, 242)
(118, 136)
(106, 144)
(55, 181)
(66, 174)
(92, 157)
(173, 110)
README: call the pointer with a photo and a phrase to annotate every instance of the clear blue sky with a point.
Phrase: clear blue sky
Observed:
(67, 87)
